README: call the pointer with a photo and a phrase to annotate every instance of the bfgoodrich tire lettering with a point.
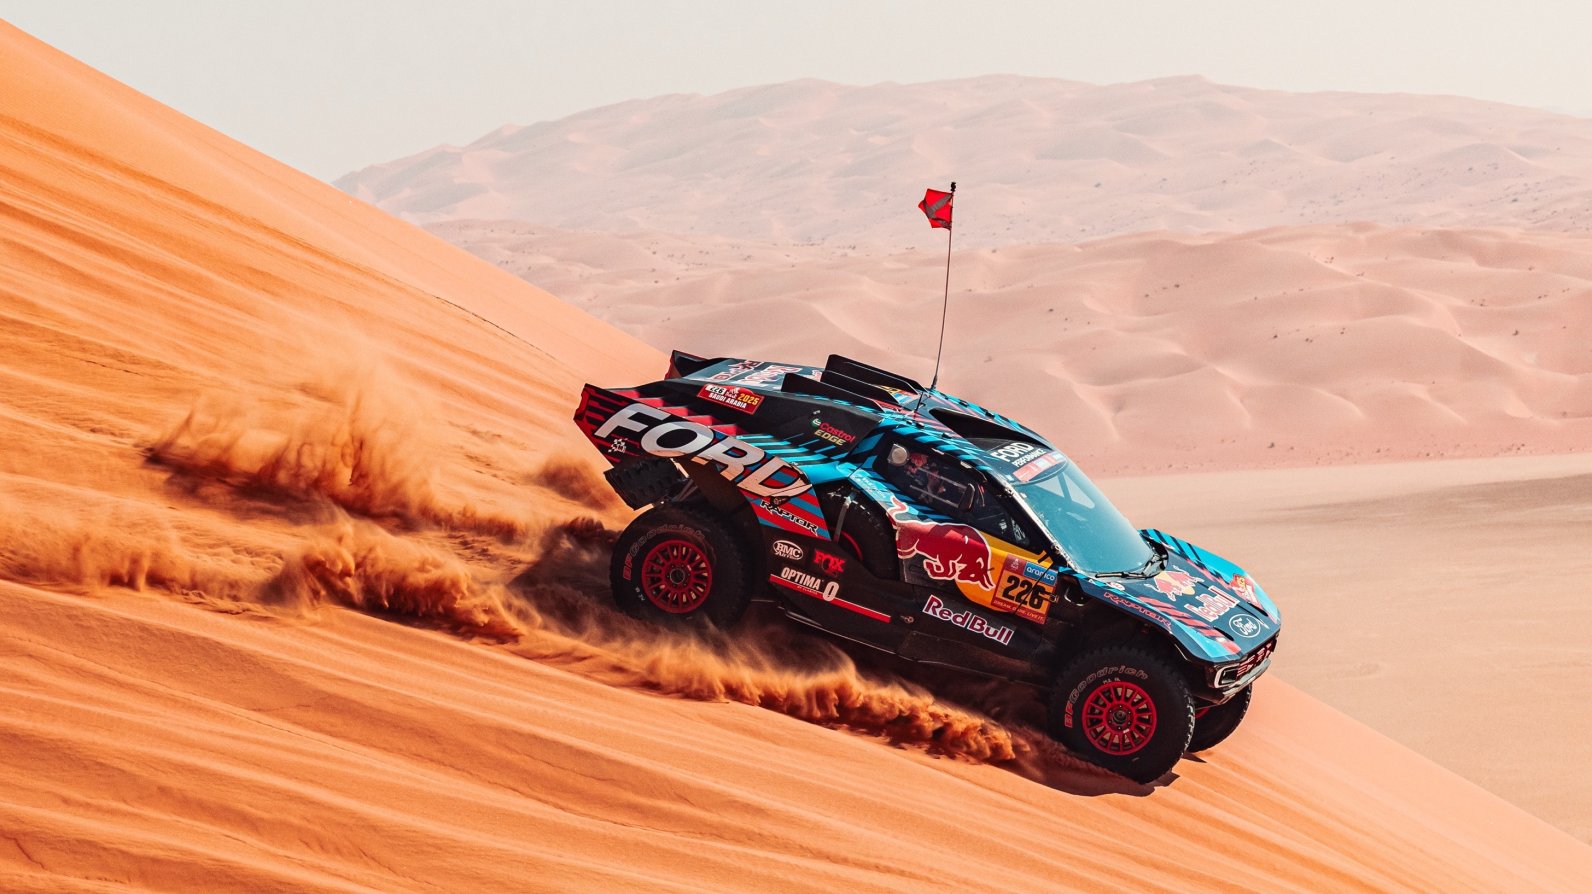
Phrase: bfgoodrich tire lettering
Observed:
(1125, 709)
(679, 565)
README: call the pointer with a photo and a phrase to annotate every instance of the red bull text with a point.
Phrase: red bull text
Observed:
(936, 608)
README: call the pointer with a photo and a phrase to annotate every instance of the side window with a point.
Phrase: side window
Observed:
(945, 486)
(989, 515)
(931, 479)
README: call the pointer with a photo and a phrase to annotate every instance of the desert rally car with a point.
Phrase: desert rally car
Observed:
(909, 520)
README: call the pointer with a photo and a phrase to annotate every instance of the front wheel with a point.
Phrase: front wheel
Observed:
(675, 564)
(1125, 709)
(1212, 725)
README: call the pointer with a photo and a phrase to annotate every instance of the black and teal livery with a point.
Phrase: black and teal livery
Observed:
(901, 517)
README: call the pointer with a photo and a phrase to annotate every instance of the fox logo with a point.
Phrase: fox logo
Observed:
(832, 565)
(950, 551)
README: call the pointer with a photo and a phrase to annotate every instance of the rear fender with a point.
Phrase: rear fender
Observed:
(642, 482)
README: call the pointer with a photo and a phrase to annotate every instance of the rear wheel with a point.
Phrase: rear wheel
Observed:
(1125, 709)
(1212, 725)
(677, 565)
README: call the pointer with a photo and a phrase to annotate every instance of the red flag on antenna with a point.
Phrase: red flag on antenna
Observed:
(937, 205)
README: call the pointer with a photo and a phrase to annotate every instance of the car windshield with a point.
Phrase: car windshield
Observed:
(1093, 534)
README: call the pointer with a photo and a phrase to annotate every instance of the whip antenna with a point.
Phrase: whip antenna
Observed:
(937, 206)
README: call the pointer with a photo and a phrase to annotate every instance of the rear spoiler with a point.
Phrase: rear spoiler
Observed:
(683, 364)
(837, 387)
(871, 375)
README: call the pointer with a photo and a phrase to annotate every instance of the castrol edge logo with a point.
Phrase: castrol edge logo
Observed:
(662, 434)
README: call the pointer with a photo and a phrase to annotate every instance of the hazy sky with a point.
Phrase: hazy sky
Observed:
(332, 85)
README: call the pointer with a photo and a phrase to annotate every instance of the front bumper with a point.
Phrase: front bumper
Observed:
(1235, 675)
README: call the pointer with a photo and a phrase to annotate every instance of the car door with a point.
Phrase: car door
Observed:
(957, 536)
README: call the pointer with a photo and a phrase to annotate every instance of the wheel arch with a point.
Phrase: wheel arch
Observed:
(1100, 624)
(851, 512)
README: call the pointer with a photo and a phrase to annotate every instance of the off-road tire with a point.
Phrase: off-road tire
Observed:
(866, 534)
(1213, 725)
(678, 564)
(1124, 708)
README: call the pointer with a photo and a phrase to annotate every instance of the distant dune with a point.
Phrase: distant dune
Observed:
(1038, 161)
(300, 567)
(1171, 274)
(1289, 346)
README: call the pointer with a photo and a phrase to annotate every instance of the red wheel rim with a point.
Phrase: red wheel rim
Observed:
(1119, 717)
(676, 576)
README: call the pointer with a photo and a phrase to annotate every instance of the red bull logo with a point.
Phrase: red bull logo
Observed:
(950, 551)
(1213, 605)
(1174, 583)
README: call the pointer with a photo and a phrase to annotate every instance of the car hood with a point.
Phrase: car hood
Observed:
(1207, 603)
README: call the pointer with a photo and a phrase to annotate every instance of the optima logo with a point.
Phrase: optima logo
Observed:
(811, 584)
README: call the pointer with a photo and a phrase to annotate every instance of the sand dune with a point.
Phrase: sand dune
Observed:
(1376, 277)
(355, 754)
(1289, 346)
(1430, 601)
(1038, 160)
(297, 560)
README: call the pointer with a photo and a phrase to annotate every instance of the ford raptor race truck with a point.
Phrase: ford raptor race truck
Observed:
(906, 519)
